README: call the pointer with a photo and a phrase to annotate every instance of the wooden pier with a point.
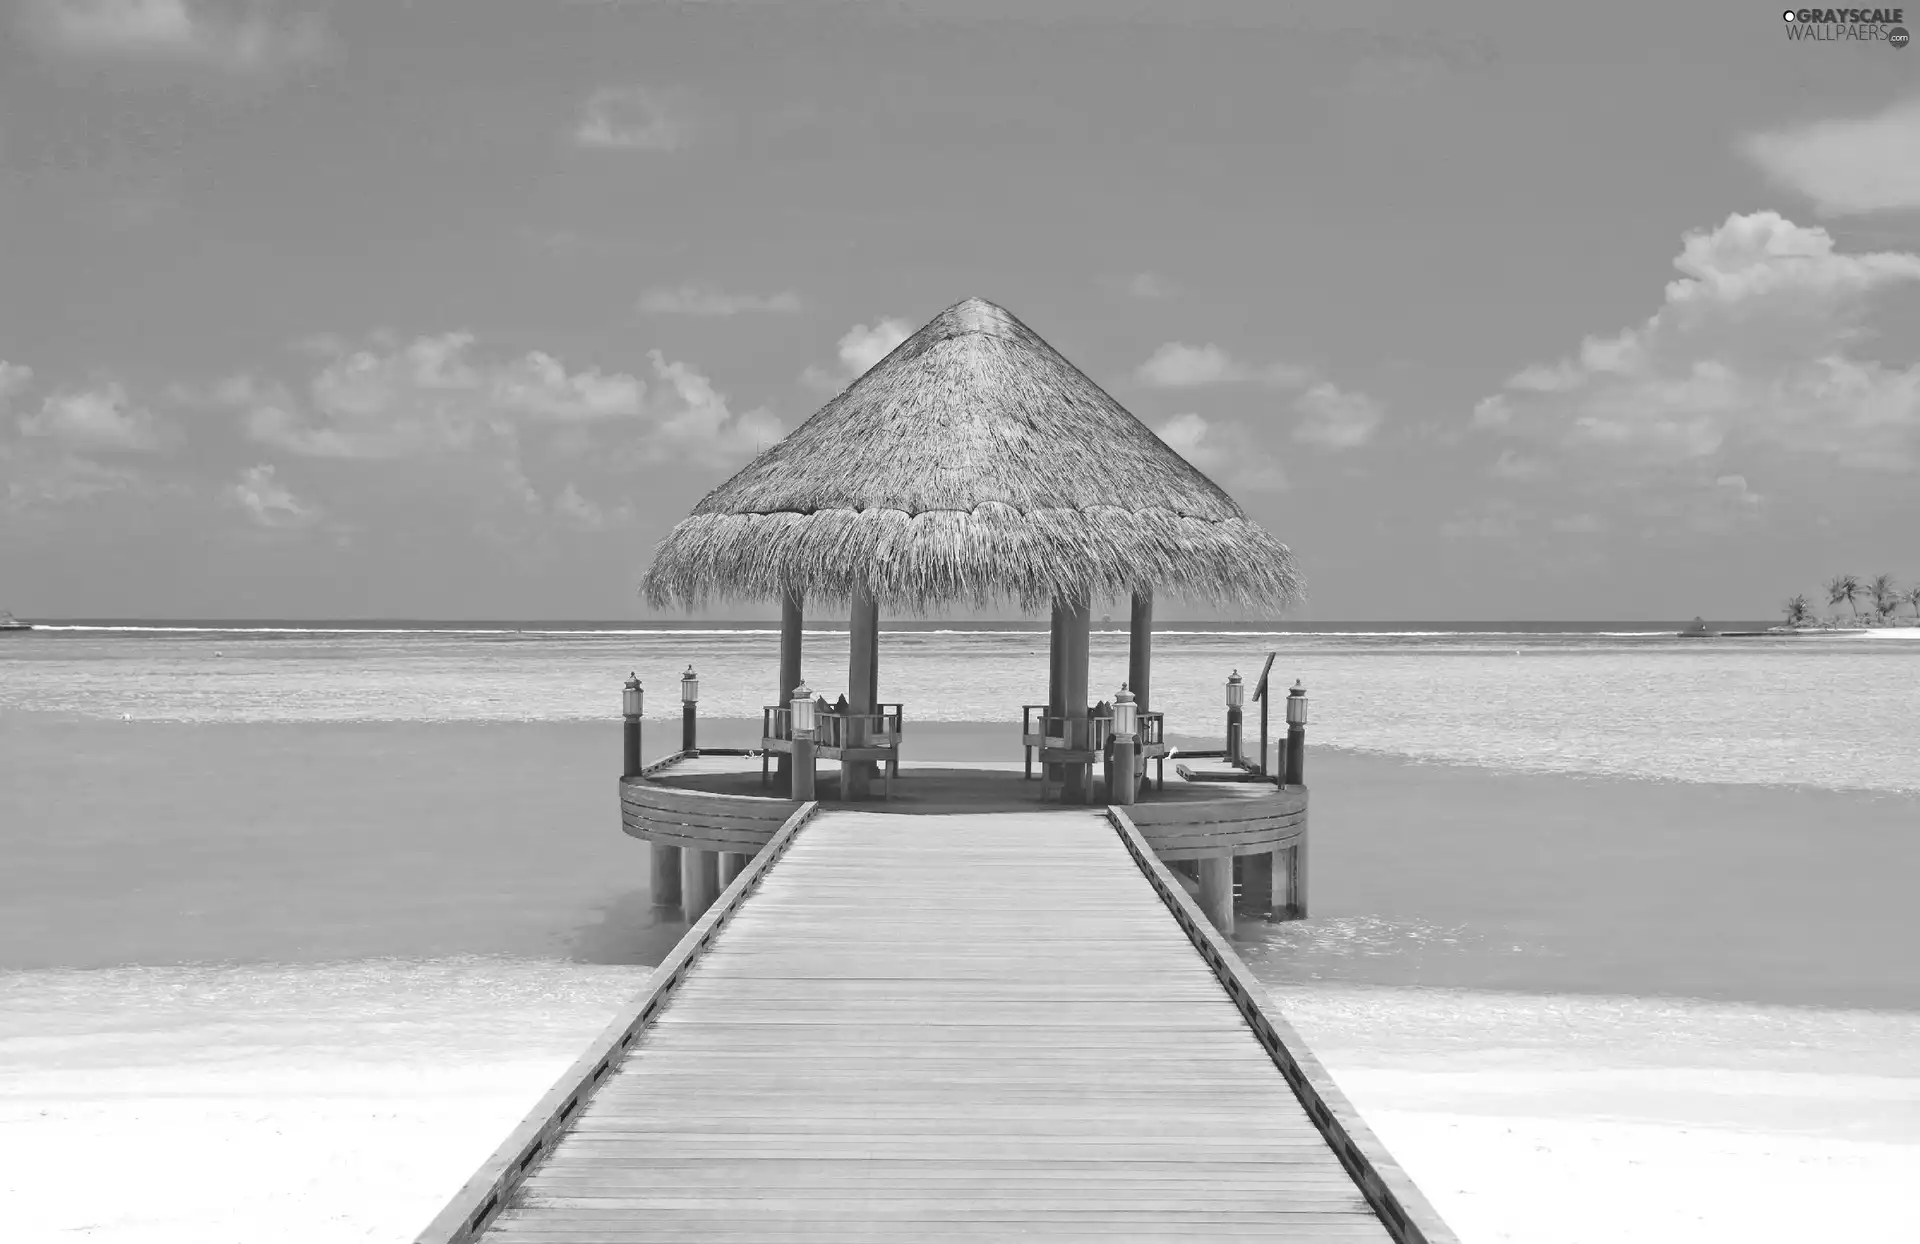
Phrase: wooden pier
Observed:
(968, 1026)
(970, 1011)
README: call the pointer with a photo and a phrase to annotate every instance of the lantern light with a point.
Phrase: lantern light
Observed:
(689, 687)
(1234, 689)
(632, 698)
(802, 708)
(1297, 705)
(1125, 714)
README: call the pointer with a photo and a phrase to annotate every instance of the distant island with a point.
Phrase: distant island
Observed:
(1881, 597)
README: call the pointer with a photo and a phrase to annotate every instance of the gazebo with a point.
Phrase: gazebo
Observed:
(973, 465)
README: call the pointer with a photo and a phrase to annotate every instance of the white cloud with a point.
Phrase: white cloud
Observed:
(1225, 452)
(697, 424)
(1734, 487)
(266, 501)
(1334, 418)
(708, 301)
(1147, 285)
(1847, 166)
(1330, 417)
(100, 418)
(14, 379)
(1493, 518)
(631, 118)
(1757, 343)
(434, 393)
(584, 515)
(860, 348)
(442, 394)
(35, 478)
(241, 37)
(1176, 365)
(1511, 465)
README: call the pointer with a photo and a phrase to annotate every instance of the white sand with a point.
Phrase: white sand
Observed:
(203, 1109)
(1587, 1181)
(369, 1153)
(1589, 1120)
(299, 1105)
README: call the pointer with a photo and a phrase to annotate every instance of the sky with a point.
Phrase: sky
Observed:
(452, 310)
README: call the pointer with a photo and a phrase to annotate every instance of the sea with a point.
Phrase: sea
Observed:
(300, 917)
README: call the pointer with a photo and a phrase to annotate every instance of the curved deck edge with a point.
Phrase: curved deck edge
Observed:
(703, 820)
(484, 1195)
(1237, 825)
(1405, 1211)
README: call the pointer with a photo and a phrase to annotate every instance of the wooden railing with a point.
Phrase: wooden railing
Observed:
(466, 1217)
(831, 729)
(881, 729)
(1405, 1212)
(1039, 728)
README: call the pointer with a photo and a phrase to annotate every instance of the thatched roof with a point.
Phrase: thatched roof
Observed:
(971, 465)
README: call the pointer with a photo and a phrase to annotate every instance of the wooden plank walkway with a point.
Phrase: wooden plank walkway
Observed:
(940, 1028)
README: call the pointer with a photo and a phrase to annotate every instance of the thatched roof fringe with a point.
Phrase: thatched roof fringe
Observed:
(990, 556)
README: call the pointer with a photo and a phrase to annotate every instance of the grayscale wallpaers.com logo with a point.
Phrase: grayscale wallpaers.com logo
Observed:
(1852, 25)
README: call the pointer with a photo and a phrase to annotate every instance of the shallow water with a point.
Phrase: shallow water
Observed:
(1834, 712)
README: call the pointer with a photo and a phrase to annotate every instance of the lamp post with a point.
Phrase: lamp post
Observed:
(1126, 723)
(689, 707)
(1296, 735)
(1235, 690)
(802, 743)
(632, 702)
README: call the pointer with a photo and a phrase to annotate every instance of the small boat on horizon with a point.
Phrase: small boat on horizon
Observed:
(10, 623)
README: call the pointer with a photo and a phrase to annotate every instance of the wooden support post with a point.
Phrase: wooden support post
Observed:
(1076, 626)
(665, 860)
(1294, 772)
(1124, 784)
(689, 735)
(1258, 879)
(803, 774)
(1140, 651)
(791, 620)
(854, 774)
(1216, 890)
(1265, 770)
(732, 864)
(1056, 701)
(873, 670)
(1294, 868)
(1233, 735)
(699, 881)
(630, 748)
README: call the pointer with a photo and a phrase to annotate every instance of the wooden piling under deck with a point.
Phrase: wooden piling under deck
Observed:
(946, 1027)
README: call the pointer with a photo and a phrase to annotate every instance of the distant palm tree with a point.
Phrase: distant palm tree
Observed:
(1798, 613)
(1844, 587)
(1912, 598)
(1885, 598)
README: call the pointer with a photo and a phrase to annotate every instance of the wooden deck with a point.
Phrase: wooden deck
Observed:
(945, 1027)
